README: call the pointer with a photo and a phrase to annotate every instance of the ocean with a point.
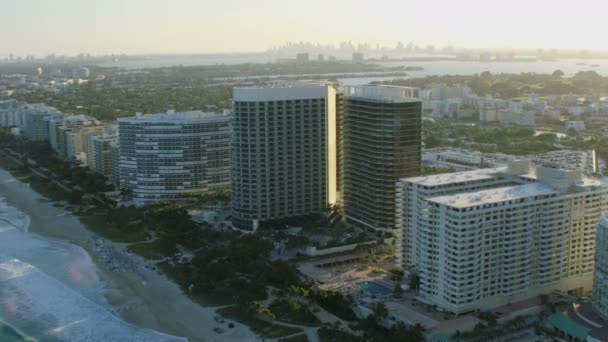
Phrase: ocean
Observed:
(568, 66)
(51, 290)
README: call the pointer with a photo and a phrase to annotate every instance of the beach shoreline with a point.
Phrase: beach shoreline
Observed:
(144, 298)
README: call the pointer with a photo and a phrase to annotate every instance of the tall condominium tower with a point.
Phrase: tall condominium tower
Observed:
(283, 153)
(35, 121)
(58, 126)
(380, 143)
(164, 156)
(600, 279)
(485, 238)
(8, 113)
(102, 155)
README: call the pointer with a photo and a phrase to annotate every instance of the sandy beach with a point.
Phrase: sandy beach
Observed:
(144, 298)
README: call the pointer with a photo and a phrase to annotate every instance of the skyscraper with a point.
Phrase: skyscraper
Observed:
(283, 154)
(35, 122)
(164, 156)
(380, 143)
(102, 154)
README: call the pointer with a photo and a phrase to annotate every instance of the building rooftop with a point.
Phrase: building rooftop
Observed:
(382, 93)
(495, 195)
(297, 91)
(79, 117)
(456, 177)
(179, 117)
(563, 159)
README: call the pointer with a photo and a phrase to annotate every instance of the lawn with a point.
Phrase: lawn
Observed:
(182, 275)
(100, 225)
(41, 185)
(292, 311)
(334, 335)
(257, 325)
(337, 305)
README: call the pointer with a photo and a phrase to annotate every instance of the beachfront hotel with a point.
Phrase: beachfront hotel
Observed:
(283, 154)
(164, 156)
(485, 238)
(380, 142)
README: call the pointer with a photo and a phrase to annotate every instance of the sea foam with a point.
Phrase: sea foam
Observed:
(51, 290)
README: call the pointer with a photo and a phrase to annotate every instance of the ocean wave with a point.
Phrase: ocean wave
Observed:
(51, 290)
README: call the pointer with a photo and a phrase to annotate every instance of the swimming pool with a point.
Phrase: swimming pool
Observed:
(375, 288)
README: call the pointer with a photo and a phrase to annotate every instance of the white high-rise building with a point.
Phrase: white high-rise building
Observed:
(102, 155)
(600, 279)
(8, 112)
(485, 238)
(108, 134)
(34, 123)
(60, 124)
(489, 110)
(76, 145)
(115, 160)
(164, 156)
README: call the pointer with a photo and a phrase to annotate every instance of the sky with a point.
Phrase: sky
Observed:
(40, 27)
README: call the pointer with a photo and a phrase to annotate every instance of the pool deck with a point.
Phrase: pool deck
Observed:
(374, 288)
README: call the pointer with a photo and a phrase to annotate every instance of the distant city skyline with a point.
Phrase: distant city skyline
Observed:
(69, 27)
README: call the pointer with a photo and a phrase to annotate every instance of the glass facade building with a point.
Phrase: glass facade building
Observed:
(163, 156)
(380, 142)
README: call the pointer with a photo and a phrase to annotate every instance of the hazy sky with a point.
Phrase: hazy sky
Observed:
(198, 26)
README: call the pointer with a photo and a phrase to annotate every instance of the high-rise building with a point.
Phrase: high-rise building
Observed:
(600, 278)
(90, 149)
(8, 111)
(489, 110)
(76, 145)
(102, 155)
(380, 142)
(35, 121)
(108, 134)
(485, 238)
(283, 154)
(164, 156)
(115, 156)
(59, 125)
